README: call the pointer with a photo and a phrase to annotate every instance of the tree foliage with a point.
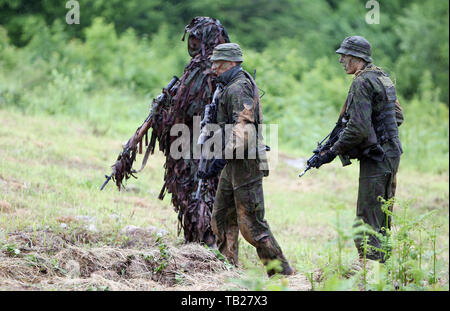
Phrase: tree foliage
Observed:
(412, 35)
(107, 68)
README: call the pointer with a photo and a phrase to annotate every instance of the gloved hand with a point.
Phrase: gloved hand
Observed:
(327, 157)
(322, 158)
(213, 170)
(314, 162)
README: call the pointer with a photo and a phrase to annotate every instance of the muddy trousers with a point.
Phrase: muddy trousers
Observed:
(376, 179)
(241, 209)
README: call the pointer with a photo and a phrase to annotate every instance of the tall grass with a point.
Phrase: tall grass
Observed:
(51, 171)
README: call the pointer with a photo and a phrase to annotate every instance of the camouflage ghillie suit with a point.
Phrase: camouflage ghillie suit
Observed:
(193, 94)
(239, 204)
(371, 135)
(187, 99)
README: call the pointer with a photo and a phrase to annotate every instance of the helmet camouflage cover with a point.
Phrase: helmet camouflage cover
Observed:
(356, 46)
(209, 31)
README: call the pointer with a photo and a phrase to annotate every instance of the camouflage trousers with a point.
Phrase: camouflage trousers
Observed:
(240, 208)
(376, 179)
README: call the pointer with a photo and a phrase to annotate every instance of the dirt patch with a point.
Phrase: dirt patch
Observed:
(39, 241)
(136, 259)
(5, 207)
(46, 260)
(11, 184)
(298, 282)
(135, 237)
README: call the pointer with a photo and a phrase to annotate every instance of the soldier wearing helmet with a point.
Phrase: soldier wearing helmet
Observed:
(239, 203)
(373, 115)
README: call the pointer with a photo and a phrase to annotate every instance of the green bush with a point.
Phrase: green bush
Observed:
(109, 80)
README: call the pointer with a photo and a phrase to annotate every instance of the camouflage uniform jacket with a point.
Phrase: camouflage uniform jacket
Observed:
(239, 106)
(369, 95)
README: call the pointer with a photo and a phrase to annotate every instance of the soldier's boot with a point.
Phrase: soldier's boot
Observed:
(374, 249)
(269, 250)
(287, 269)
(209, 239)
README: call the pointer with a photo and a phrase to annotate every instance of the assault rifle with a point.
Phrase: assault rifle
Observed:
(209, 117)
(123, 166)
(333, 136)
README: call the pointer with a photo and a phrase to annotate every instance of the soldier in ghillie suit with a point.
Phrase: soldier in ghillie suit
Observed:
(184, 100)
(239, 204)
(373, 114)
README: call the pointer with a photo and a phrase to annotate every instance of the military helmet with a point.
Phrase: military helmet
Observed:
(209, 31)
(227, 51)
(356, 46)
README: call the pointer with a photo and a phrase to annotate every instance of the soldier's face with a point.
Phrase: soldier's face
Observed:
(351, 64)
(193, 43)
(220, 66)
(346, 62)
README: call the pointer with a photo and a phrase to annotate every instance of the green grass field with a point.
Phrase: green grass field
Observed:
(51, 169)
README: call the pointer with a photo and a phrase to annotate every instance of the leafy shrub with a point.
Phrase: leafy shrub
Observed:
(109, 80)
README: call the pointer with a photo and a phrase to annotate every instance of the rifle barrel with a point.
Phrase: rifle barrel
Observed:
(106, 181)
(306, 169)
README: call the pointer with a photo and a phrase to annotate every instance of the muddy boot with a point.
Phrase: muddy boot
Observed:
(210, 240)
(285, 268)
